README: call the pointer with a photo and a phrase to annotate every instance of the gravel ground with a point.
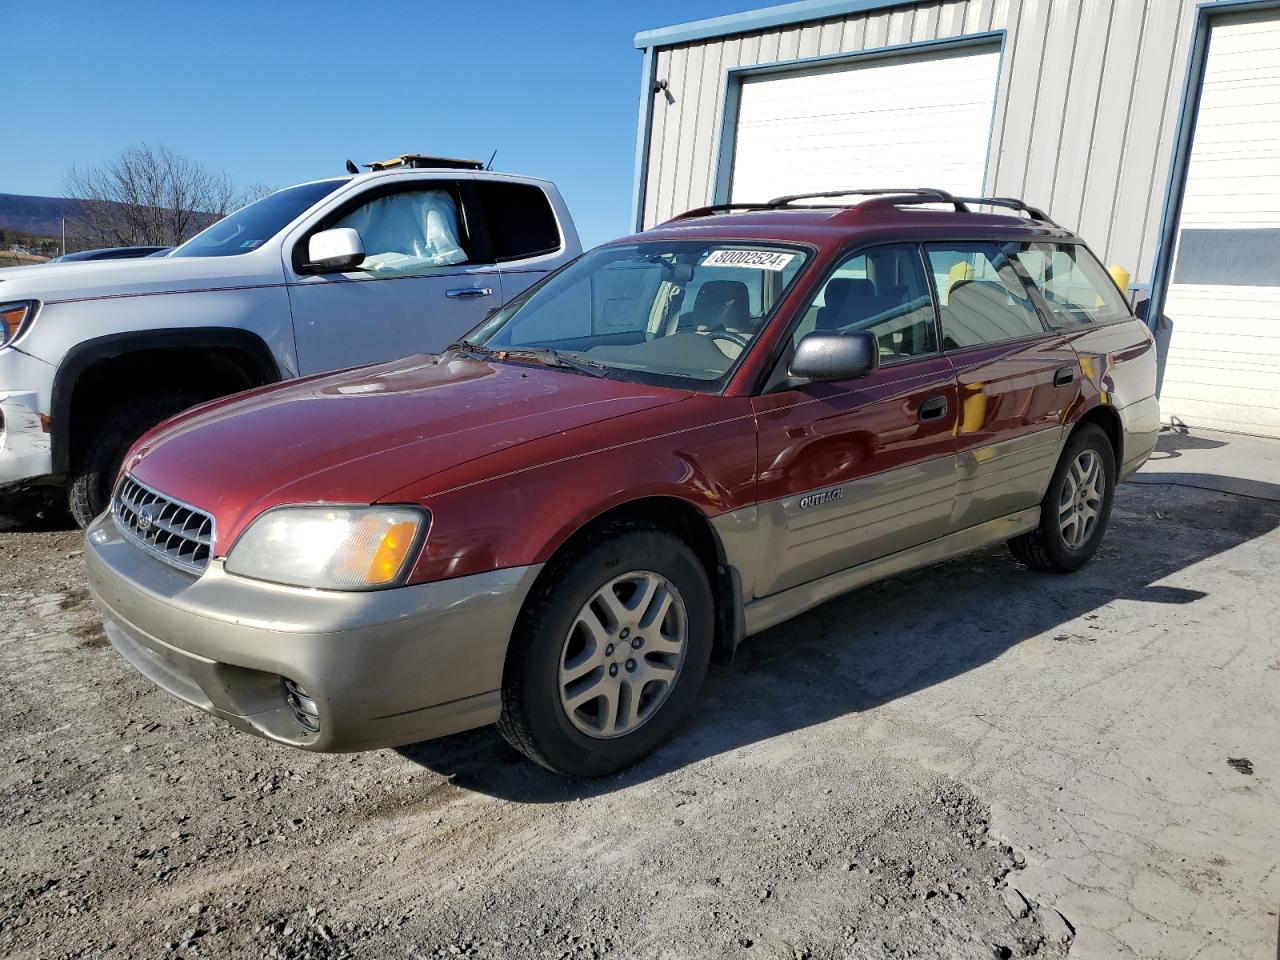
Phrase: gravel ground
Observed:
(833, 799)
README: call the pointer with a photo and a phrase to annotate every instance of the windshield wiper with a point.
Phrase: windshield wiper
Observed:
(545, 355)
(472, 347)
(554, 358)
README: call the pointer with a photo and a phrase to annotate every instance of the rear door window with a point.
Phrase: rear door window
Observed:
(1073, 284)
(521, 221)
(981, 297)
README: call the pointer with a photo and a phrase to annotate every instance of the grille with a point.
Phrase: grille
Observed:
(164, 527)
(304, 708)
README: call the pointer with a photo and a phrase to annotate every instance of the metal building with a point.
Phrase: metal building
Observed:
(1152, 127)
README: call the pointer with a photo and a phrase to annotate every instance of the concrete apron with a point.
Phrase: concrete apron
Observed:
(1133, 750)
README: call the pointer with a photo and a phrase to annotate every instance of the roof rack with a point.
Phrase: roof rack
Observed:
(418, 160)
(891, 194)
(716, 208)
(1035, 213)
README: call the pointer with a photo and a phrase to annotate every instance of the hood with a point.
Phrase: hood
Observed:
(356, 436)
(94, 279)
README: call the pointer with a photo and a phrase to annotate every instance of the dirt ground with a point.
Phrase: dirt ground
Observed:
(970, 761)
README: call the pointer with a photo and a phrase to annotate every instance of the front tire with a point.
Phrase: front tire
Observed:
(609, 652)
(1075, 511)
(93, 472)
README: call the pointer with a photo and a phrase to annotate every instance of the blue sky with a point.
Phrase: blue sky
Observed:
(278, 92)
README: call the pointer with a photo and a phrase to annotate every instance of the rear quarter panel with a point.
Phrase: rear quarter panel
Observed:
(1118, 369)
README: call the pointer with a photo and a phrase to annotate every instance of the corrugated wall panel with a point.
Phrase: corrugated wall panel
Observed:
(1023, 55)
(1162, 64)
(1079, 120)
(691, 93)
(1111, 126)
(1084, 120)
(1050, 105)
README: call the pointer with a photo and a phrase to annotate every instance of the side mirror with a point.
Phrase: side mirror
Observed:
(821, 357)
(335, 250)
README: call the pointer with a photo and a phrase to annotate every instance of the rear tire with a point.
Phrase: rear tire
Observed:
(609, 651)
(93, 473)
(1075, 510)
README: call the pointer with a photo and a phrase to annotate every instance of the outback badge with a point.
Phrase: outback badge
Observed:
(817, 499)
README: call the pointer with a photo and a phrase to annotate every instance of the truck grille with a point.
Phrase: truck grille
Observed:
(166, 528)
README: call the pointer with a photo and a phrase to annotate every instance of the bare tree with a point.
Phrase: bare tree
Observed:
(253, 193)
(147, 195)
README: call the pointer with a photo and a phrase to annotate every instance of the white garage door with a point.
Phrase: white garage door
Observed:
(1223, 367)
(917, 121)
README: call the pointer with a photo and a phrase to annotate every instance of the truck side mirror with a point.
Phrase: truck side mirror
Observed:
(332, 251)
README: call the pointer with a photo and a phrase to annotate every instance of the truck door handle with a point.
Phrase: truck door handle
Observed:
(468, 293)
(932, 409)
(1063, 375)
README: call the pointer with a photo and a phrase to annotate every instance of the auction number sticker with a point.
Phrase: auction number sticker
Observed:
(751, 259)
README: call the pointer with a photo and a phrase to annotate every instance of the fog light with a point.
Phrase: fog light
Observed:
(304, 708)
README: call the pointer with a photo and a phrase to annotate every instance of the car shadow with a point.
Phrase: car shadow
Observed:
(1176, 439)
(891, 639)
(34, 511)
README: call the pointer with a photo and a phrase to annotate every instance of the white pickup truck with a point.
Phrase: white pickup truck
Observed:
(315, 277)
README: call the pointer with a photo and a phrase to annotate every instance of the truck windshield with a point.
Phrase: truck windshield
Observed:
(252, 226)
(674, 312)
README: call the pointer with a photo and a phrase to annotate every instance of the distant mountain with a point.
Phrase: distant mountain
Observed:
(37, 216)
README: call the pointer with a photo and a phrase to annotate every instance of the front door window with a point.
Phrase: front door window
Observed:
(408, 232)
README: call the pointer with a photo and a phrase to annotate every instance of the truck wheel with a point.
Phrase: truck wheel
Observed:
(609, 652)
(93, 472)
(1074, 513)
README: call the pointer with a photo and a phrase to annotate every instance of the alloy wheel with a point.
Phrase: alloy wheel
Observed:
(1080, 503)
(623, 654)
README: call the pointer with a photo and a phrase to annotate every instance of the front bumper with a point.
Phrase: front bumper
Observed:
(25, 449)
(384, 667)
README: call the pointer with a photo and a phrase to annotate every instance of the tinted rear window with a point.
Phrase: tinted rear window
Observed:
(521, 221)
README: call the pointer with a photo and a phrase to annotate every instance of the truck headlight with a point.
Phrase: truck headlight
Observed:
(14, 317)
(333, 548)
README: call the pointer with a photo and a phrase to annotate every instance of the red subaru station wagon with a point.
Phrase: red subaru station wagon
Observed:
(680, 439)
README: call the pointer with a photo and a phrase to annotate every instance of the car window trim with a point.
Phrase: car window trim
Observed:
(475, 234)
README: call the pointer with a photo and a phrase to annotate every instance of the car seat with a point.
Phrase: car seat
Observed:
(982, 311)
(720, 305)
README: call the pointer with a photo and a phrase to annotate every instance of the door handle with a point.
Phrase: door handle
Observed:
(933, 409)
(468, 293)
(1063, 375)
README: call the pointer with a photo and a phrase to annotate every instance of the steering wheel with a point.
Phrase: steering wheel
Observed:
(735, 338)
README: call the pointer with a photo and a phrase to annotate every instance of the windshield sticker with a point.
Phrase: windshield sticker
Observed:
(751, 259)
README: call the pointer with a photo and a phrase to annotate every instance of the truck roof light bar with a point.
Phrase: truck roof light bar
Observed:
(422, 161)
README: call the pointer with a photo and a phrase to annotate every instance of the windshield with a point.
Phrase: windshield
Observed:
(672, 311)
(252, 226)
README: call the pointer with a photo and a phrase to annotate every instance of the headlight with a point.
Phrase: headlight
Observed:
(334, 548)
(13, 318)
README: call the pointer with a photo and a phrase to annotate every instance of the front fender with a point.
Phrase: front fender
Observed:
(85, 355)
(535, 496)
